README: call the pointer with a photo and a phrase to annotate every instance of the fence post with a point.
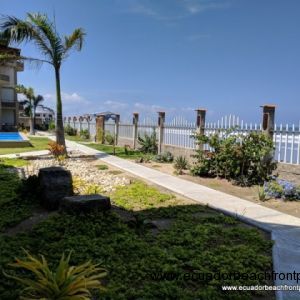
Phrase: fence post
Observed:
(117, 124)
(80, 125)
(200, 124)
(268, 119)
(135, 122)
(161, 123)
(100, 129)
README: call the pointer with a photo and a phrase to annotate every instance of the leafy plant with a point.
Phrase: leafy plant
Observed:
(180, 164)
(51, 126)
(109, 138)
(69, 130)
(78, 184)
(148, 143)
(56, 149)
(261, 193)
(66, 282)
(165, 157)
(246, 159)
(84, 133)
(91, 189)
(279, 188)
(102, 167)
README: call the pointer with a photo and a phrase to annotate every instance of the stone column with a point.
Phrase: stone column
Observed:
(135, 122)
(200, 124)
(117, 124)
(100, 129)
(268, 119)
(161, 123)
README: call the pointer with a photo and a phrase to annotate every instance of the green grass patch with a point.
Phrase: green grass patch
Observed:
(209, 245)
(102, 167)
(120, 151)
(38, 143)
(13, 162)
(139, 196)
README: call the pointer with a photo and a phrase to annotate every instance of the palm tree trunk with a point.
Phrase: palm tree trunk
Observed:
(60, 135)
(31, 125)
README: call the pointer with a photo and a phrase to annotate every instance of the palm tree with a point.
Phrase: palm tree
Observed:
(54, 48)
(30, 104)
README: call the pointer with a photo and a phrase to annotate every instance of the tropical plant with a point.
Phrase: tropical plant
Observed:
(30, 104)
(180, 164)
(92, 189)
(56, 149)
(84, 133)
(148, 143)
(65, 283)
(109, 138)
(166, 157)
(39, 29)
(69, 130)
(246, 159)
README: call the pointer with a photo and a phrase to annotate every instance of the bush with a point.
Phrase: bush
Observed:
(84, 133)
(180, 164)
(51, 125)
(70, 130)
(109, 138)
(56, 150)
(66, 282)
(148, 143)
(102, 167)
(246, 159)
(280, 188)
(166, 157)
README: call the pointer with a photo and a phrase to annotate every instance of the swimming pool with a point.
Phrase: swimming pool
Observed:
(13, 140)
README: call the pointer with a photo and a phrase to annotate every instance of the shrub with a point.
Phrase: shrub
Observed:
(246, 159)
(70, 130)
(84, 133)
(280, 188)
(148, 143)
(51, 125)
(56, 149)
(109, 138)
(66, 282)
(166, 157)
(92, 189)
(180, 164)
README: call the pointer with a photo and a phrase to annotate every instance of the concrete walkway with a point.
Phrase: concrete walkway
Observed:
(284, 229)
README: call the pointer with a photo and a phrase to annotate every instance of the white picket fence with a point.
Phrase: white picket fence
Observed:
(179, 132)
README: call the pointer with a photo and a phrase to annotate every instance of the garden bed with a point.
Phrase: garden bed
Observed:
(184, 238)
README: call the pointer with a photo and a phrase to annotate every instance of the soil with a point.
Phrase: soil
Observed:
(247, 193)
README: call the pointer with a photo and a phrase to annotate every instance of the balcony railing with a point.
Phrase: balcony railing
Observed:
(8, 104)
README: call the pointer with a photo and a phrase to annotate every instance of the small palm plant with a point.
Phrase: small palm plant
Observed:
(148, 143)
(180, 164)
(65, 283)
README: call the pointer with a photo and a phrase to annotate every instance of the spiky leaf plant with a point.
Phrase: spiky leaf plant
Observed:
(65, 283)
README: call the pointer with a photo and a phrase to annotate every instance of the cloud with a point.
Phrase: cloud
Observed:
(67, 98)
(176, 10)
(115, 105)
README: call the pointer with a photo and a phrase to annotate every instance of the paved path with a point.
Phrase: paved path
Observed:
(284, 229)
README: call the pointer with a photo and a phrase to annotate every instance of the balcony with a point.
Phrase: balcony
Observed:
(8, 104)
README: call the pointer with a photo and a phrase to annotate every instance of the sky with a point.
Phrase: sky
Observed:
(227, 56)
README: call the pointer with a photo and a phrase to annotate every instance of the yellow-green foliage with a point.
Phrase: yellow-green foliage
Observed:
(139, 195)
(65, 283)
(82, 187)
(91, 189)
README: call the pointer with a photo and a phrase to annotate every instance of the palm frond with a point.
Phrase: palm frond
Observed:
(74, 41)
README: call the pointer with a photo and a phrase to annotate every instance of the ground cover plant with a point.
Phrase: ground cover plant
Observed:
(37, 143)
(195, 239)
(245, 159)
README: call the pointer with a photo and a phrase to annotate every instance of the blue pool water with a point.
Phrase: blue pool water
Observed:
(10, 136)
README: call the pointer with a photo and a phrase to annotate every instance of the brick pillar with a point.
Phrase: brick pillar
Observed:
(100, 129)
(161, 123)
(135, 122)
(117, 124)
(200, 124)
(268, 119)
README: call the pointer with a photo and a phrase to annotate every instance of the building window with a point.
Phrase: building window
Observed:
(4, 77)
(7, 94)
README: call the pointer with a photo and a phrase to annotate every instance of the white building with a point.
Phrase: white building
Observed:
(8, 98)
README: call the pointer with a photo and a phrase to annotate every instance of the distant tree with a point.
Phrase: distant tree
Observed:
(30, 104)
(39, 29)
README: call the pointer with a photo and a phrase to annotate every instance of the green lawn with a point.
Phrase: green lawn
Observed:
(120, 151)
(197, 239)
(38, 143)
